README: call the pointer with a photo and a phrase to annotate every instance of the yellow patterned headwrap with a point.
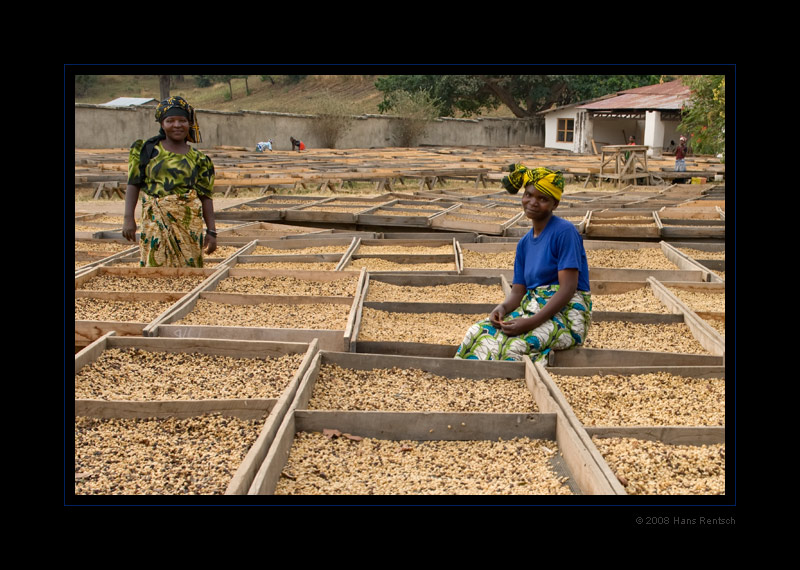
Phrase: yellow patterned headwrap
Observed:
(544, 180)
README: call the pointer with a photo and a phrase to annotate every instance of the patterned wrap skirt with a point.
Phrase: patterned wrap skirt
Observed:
(172, 231)
(564, 330)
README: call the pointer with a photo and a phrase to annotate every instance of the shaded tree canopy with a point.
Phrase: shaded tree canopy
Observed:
(208, 80)
(83, 83)
(704, 116)
(524, 95)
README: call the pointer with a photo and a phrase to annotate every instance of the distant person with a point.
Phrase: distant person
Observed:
(262, 146)
(631, 141)
(297, 144)
(680, 156)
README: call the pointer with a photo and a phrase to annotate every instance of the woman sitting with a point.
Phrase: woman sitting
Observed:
(177, 182)
(549, 306)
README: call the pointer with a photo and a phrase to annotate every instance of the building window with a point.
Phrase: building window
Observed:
(566, 127)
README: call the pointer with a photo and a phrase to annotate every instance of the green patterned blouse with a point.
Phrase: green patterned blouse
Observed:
(169, 173)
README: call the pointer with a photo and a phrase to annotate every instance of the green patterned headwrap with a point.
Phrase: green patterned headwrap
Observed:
(179, 105)
(544, 180)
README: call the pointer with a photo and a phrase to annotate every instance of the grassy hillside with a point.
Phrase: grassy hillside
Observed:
(355, 94)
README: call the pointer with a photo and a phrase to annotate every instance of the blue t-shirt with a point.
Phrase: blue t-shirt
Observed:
(539, 259)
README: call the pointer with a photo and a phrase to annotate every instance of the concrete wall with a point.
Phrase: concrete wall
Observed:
(107, 127)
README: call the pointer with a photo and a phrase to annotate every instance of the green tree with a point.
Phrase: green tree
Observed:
(584, 87)
(246, 86)
(451, 93)
(208, 80)
(703, 117)
(164, 83)
(524, 95)
(204, 80)
(415, 111)
(226, 79)
(334, 119)
(83, 83)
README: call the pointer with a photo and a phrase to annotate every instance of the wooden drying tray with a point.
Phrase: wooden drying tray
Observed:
(713, 341)
(612, 224)
(404, 216)
(251, 230)
(150, 272)
(268, 183)
(290, 246)
(677, 435)
(335, 339)
(87, 331)
(481, 224)
(410, 348)
(255, 211)
(583, 464)
(94, 259)
(273, 409)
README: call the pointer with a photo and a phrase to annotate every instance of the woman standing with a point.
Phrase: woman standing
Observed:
(177, 182)
(549, 306)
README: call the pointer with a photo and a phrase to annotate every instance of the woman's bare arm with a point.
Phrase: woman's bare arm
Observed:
(567, 285)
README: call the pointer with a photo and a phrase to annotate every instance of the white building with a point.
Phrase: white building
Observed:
(650, 114)
(129, 102)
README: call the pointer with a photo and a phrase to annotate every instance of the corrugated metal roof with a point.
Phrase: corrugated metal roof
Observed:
(663, 96)
(670, 88)
(128, 101)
